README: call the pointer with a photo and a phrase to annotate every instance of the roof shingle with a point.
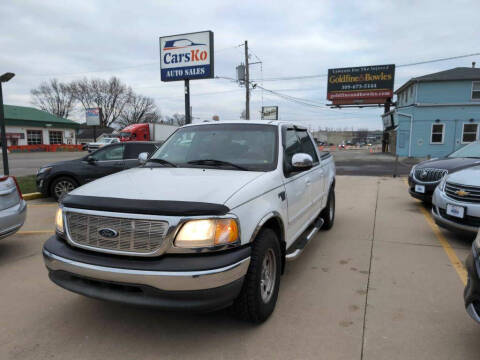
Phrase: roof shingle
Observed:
(455, 74)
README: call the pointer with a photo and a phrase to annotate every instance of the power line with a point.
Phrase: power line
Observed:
(118, 68)
(401, 65)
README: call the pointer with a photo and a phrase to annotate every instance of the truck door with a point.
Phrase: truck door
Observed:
(298, 186)
(316, 174)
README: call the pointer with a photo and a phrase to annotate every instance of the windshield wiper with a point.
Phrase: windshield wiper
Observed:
(214, 162)
(162, 161)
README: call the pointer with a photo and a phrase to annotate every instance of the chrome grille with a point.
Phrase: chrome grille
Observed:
(429, 174)
(463, 192)
(133, 235)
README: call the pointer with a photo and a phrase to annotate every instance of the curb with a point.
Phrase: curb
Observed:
(32, 196)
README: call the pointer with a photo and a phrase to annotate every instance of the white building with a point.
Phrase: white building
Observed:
(30, 126)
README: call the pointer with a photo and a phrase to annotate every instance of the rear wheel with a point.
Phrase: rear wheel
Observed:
(62, 186)
(259, 293)
(328, 214)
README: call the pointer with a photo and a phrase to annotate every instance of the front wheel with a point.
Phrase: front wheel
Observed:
(328, 214)
(259, 293)
(62, 186)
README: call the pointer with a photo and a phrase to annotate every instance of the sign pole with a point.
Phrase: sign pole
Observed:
(6, 170)
(188, 119)
(247, 84)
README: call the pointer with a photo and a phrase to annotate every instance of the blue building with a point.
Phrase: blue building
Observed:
(435, 114)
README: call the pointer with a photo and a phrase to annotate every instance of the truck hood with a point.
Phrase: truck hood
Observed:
(175, 184)
(469, 177)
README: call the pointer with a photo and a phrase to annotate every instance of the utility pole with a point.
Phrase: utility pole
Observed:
(247, 84)
(4, 78)
(188, 119)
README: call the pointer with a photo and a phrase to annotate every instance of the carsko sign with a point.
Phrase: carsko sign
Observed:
(361, 85)
(186, 56)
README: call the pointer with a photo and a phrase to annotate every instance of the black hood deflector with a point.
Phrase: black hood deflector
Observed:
(148, 207)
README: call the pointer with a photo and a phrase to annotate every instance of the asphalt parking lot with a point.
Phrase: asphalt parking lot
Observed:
(348, 162)
(22, 164)
(384, 283)
(363, 162)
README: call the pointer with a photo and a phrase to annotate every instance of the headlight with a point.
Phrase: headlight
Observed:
(477, 241)
(412, 170)
(44, 169)
(441, 186)
(207, 233)
(59, 220)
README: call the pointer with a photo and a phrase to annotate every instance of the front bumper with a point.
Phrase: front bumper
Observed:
(469, 224)
(471, 294)
(429, 189)
(193, 282)
(12, 219)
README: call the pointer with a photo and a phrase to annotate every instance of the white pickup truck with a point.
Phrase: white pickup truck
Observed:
(208, 221)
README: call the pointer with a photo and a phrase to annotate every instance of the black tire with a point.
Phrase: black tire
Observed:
(328, 214)
(250, 304)
(62, 181)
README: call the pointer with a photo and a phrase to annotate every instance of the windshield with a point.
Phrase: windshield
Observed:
(106, 140)
(470, 151)
(253, 146)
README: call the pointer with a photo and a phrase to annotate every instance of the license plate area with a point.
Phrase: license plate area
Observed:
(420, 189)
(456, 211)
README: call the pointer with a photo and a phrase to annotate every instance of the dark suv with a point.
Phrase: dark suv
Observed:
(62, 177)
(425, 176)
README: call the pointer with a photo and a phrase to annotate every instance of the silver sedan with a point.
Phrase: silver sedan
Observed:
(13, 208)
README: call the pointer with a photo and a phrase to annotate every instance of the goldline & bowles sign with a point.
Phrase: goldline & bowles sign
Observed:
(361, 85)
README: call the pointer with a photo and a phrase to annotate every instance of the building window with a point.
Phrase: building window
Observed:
(438, 133)
(56, 137)
(476, 90)
(469, 133)
(34, 137)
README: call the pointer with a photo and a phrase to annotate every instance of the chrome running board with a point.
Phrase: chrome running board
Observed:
(302, 244)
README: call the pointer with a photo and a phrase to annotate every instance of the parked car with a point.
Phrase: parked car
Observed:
(13, 208)
(471, 293)
(105, 141)
(456, 201)
(425, 176)
(204, 224)
(59, 178)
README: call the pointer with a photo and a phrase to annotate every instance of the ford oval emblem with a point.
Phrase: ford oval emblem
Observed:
(108, 233)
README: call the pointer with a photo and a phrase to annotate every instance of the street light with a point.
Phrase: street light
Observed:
(4, 78)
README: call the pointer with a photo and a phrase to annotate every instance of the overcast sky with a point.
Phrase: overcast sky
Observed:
(74, 39)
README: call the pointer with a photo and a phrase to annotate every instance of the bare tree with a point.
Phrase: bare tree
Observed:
(54, 97)
(110, 95)
(178, 119)
(139, 109)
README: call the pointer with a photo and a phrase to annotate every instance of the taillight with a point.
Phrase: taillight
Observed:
(18, 187)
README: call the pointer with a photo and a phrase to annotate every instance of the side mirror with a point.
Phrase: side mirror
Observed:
(302, 161)
(90, 159)
(143, 157)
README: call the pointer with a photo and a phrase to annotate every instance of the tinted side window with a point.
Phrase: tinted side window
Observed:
(133, 150)
(307, 145)
(114, 152)
(292, 146)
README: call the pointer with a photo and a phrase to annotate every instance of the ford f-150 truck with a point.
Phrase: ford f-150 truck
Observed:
(208, 221)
